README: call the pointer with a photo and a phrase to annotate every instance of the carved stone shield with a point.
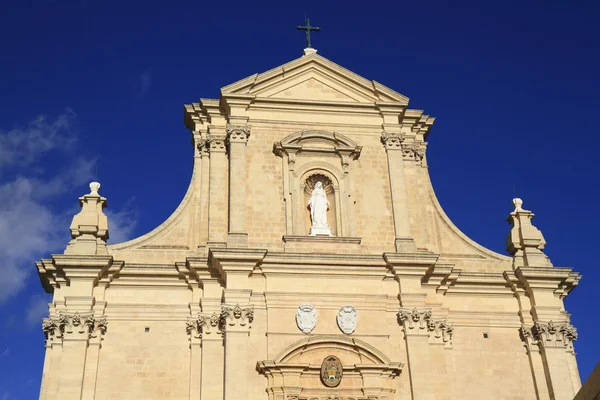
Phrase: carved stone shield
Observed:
(306, 318)
(346, 319)
(331, 371)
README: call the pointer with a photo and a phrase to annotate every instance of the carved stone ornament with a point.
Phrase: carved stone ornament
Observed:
(76, 326)
(550, 334)
(238, 133)
(346, 319)
(306, 318)
(236, 315)
(415, 319)
(51, 330)
(216, 143)
(331, 371)
(392, 140)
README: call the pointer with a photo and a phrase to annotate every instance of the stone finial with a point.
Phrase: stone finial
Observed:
(525, 242)
(89, 229)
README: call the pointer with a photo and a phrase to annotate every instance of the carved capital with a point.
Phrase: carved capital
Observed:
(238, 133)
(440, 331)
(414, 321)
(414, 151)
(421, 322)
(549, 335)
(202, 325)
(81, 326)
(52, 331)
(202, 146)
(392, 140)
(216, 143)
(236, 315)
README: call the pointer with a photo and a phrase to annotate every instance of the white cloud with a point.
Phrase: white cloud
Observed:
(31, 227)
(5, 352)
(21, 147)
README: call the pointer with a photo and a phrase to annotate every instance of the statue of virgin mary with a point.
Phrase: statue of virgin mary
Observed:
(319, 205)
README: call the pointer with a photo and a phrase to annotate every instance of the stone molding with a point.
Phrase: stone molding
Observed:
(549, 335)
(238, 133)
(236, 316)
(74, 326)
(420, 322)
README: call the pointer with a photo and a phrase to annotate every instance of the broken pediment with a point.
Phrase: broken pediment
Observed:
(314, 78)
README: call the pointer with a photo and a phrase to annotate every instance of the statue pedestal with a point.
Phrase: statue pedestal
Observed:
(321, 231)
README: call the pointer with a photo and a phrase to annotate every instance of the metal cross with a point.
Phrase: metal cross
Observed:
(308, 28)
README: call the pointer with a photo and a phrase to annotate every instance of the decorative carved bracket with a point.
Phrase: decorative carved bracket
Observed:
(549, 335)
(236, 316)
(238, 133)
(421, 322)
(74, 326)
(203, 324)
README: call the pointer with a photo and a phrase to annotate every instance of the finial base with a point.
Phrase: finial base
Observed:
(309, 50)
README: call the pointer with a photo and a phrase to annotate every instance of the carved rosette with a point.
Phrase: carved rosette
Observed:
(237, 316)
(216, 143)
(76, 326)
(421, 322)
(549, 335)
(238, 133)
(392, 140)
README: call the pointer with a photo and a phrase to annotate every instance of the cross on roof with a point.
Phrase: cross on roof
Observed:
(308, 28)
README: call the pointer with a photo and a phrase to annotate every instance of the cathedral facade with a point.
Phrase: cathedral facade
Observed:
(309, 260)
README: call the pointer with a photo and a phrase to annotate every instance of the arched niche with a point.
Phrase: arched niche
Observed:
(305, 154)
(295, 371)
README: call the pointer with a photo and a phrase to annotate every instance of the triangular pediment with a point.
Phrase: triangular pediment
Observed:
(313, 77)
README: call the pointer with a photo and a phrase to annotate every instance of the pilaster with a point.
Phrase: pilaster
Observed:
(217, 195)
(237, 137)
(236, 321)
(392, 141)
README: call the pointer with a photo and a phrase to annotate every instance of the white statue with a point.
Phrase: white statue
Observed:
(319, 205)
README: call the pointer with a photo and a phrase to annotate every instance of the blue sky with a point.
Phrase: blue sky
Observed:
(86, 83)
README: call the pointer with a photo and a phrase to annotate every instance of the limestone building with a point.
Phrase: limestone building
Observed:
(308, 260)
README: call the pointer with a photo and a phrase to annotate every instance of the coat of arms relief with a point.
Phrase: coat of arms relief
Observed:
(346, 319)
(306, 318)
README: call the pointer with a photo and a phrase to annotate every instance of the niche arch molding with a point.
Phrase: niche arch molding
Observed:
(310, 152)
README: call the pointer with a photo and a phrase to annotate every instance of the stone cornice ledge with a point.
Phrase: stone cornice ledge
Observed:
(322, 239)
(63, 269)
(229, 261)
(410, 263)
